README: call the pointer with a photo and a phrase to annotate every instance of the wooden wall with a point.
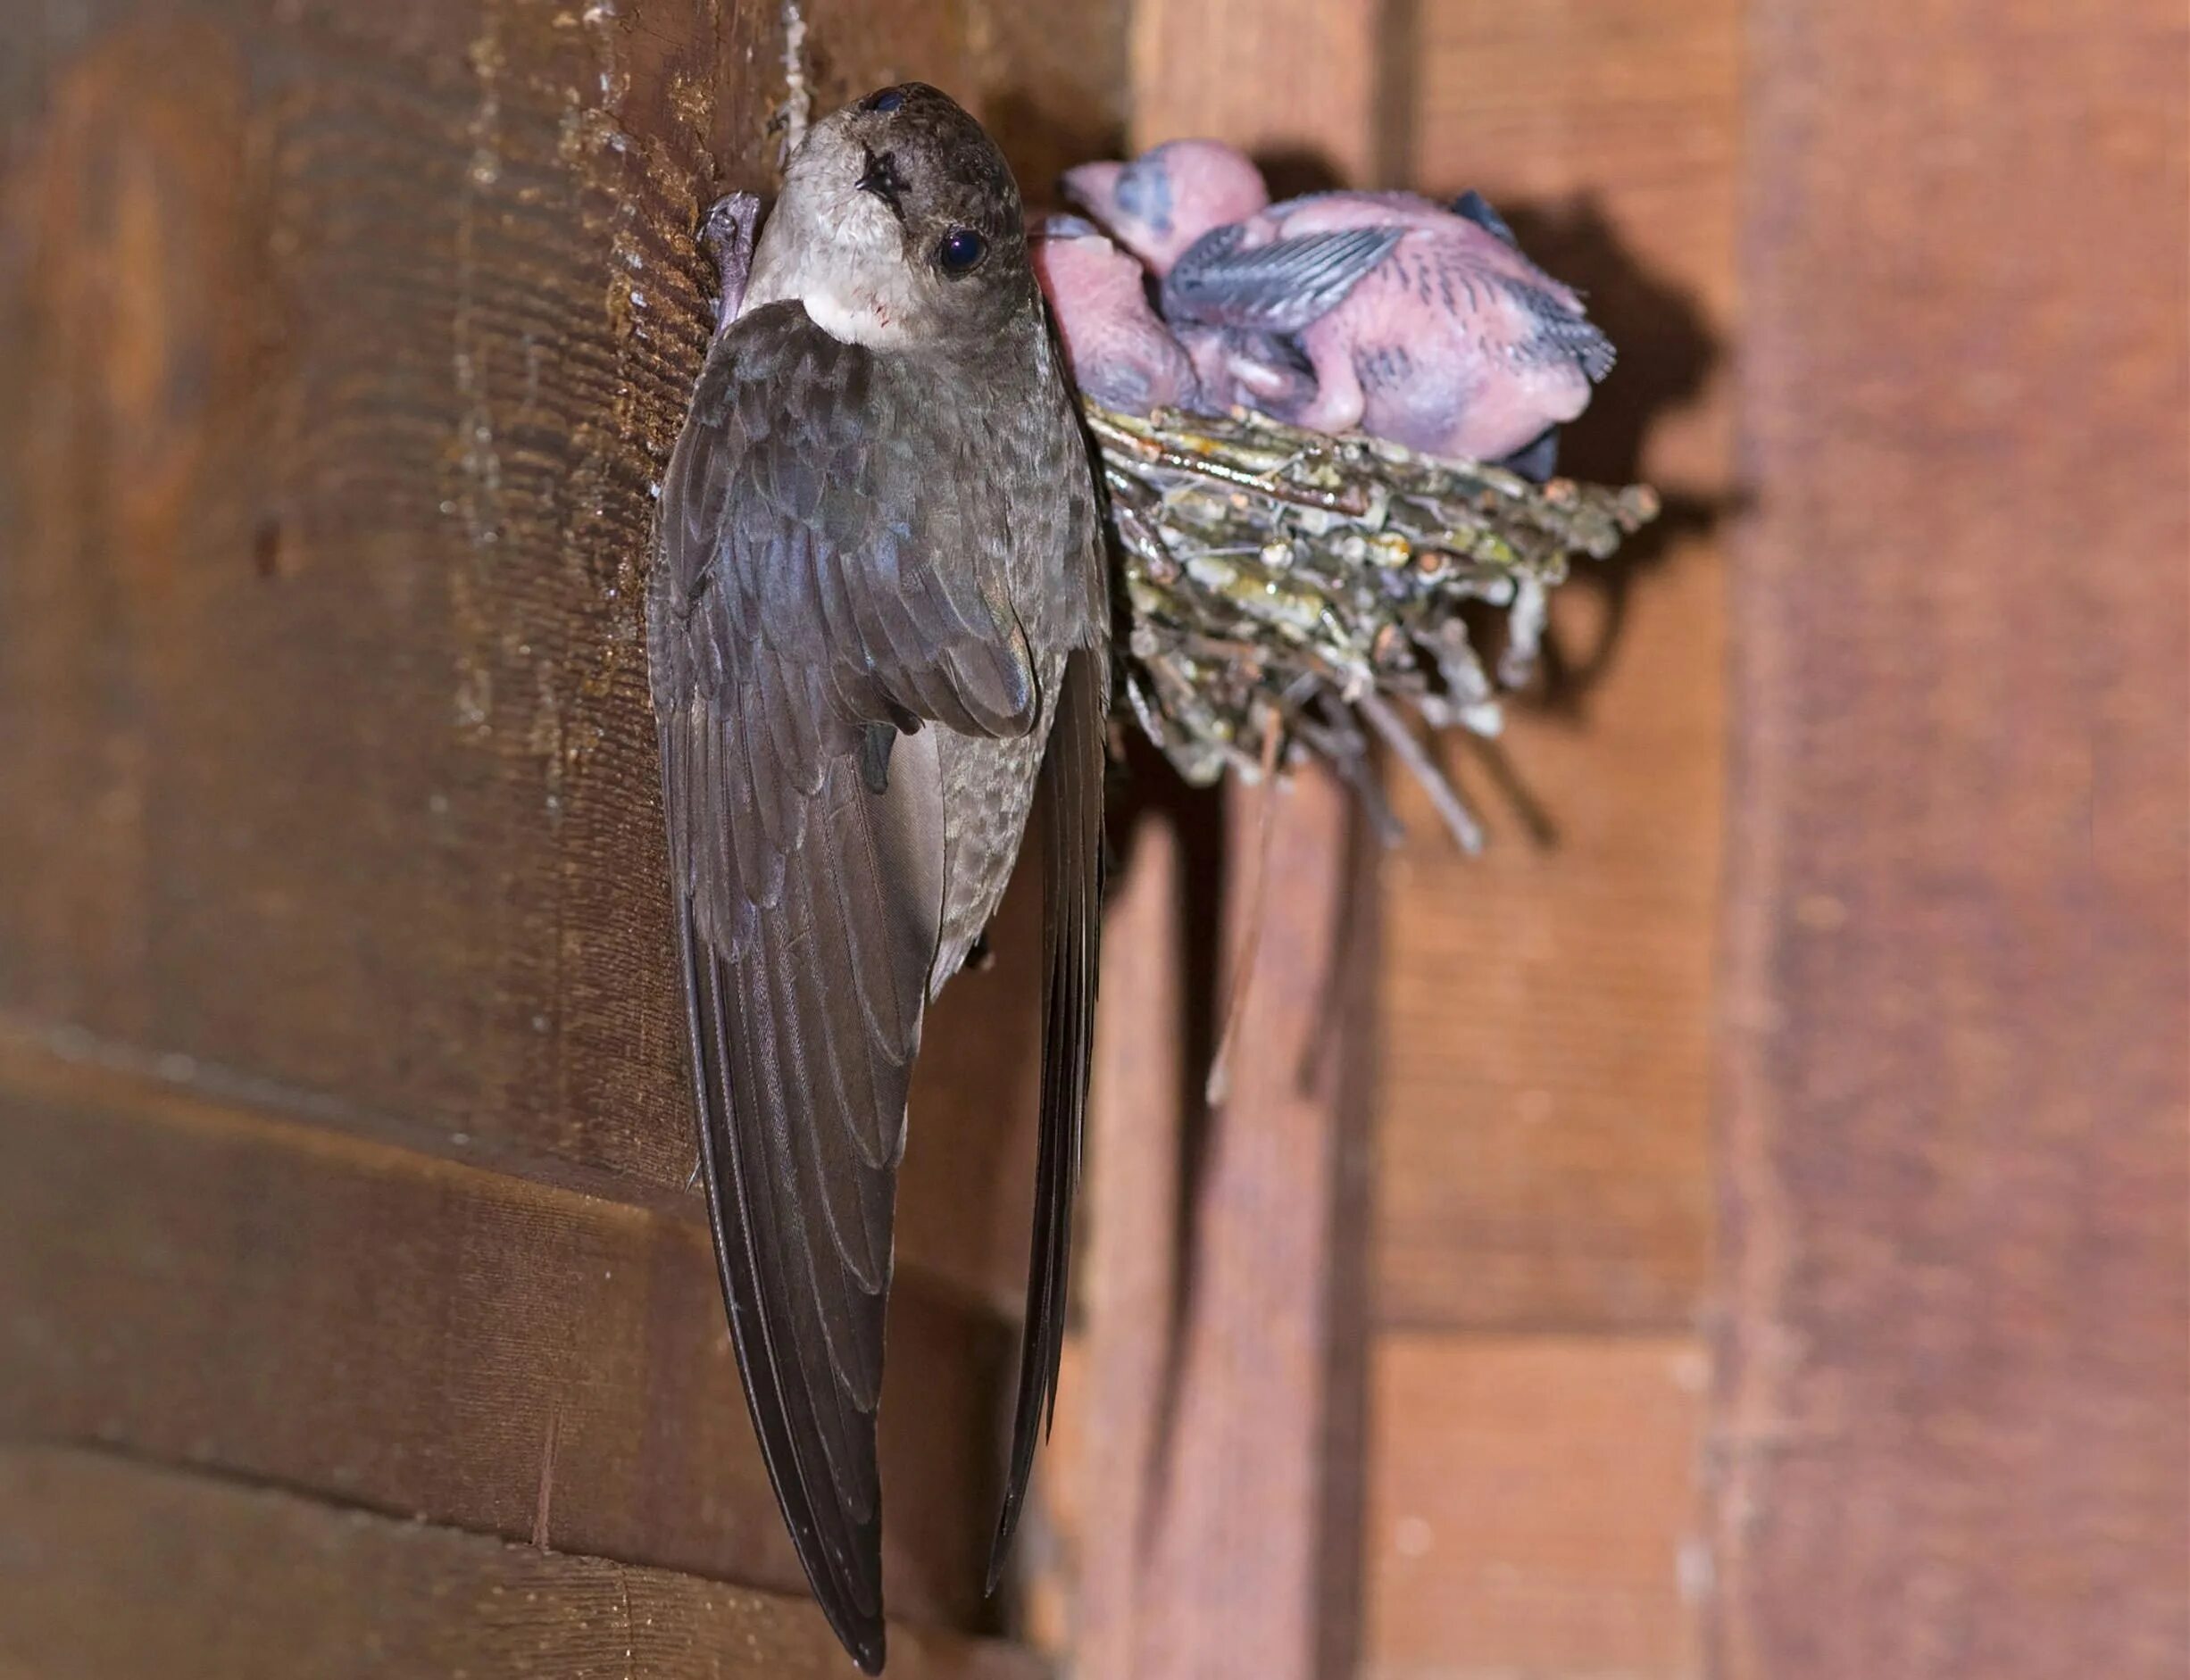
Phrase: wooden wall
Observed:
(1921, 1403)
(344, 1132)
(1762, 1251)
(1212, 1451)
(1947, 1347)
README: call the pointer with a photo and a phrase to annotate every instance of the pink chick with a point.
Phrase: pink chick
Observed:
(1168, 197)
(1422, 325)
(1121, 353)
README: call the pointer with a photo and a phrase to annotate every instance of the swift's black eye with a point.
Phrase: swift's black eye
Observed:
(961, 251)
(887, 101)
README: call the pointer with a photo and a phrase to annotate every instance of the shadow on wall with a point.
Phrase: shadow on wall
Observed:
(1041, 143)
(1667, 356)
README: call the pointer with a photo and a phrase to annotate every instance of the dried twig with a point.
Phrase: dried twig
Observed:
(1466, 831)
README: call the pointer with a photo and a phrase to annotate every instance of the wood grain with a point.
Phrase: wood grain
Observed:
(339, 351)
(346, 350)
(1542, 1141)
(116, 1570)
(276, 1302)
(1958, 994)
(1532, 1506)
(1543, 1133)
(1105, 1465)
(1051, 83)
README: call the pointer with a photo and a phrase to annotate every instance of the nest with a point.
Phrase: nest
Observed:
(1291, 592)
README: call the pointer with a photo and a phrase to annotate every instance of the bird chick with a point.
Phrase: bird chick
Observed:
(1121, 353)
(1422, 324)
(1162, 201)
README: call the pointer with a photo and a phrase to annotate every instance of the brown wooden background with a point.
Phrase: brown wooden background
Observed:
(1741, 1229)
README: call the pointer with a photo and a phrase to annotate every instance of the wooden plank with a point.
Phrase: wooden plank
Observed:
(337, 416)
(1216, 1499)
(1958, 987)
(1104, 1462)
(1542, 1143)
(1212, 1511)
(116, 1570)
(262, 1299)
(1299, 84)
(1050, 82)
(339, 350)
(1543, 1138)
(1532, 1506)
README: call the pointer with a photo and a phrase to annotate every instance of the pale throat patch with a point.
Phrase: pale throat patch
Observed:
(854, 322)
(839, 254)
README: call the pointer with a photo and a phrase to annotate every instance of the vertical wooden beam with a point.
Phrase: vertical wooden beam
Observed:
(1954, 1421)
(1224, 1311)
(1219, 1417)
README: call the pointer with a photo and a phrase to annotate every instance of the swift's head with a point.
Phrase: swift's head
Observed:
(898, 224)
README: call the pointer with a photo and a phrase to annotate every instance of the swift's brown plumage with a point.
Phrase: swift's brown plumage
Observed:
(876, 621)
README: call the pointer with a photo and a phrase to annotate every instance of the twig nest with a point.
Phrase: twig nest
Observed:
(1291, 583)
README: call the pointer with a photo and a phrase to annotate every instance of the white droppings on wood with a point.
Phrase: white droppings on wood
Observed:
(797, 92)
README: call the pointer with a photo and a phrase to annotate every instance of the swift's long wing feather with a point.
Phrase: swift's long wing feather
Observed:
(1070, 799)
(794, 614)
